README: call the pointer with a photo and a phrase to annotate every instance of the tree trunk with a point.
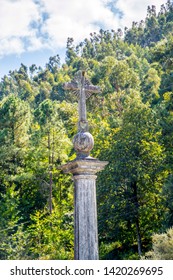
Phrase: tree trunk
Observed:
(50, 174)
(50, 192)
(138, 237)
(136, 204)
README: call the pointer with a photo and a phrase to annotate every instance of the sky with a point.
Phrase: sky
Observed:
(33, 30)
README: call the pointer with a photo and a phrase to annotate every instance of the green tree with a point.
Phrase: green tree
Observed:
(151, 86)
(54, 63)
(132, 197)
(162, 248)
(51, 141)
(14, 136)
(10, 217)
(51, 237)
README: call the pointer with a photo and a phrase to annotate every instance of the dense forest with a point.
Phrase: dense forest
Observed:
(131, 120)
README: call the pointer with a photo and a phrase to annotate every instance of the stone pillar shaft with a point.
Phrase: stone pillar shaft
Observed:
(86, 235)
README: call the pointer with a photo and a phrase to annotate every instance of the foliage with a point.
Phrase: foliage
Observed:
(45, 242)
(131, 191)
(162, 246)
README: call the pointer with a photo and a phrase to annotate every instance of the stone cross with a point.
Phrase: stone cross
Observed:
(81, 87)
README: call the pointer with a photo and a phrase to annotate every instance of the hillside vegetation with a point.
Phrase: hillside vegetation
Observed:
(131, 121)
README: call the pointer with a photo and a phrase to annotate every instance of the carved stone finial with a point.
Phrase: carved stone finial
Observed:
(83, 143)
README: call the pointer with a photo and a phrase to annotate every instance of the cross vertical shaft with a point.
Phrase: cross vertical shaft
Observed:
(83, 89)
(82, 101)
(82, 124)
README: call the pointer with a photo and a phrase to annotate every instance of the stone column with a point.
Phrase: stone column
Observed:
(84, 170)
(85, 208)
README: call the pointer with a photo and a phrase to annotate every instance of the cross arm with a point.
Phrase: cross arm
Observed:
(70, 86)
(88, 88)
(91, 88)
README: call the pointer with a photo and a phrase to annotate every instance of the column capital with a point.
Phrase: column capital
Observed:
(86, 166)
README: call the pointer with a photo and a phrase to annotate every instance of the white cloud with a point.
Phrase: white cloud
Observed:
(76, 19)
(28, 25)
(135, 10)
(15, 19)
(11, 46)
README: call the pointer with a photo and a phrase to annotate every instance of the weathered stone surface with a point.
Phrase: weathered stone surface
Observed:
(85, 208)
(86, 236)
(83, 89)
(83, 143)
(88, 166)
(84, 169)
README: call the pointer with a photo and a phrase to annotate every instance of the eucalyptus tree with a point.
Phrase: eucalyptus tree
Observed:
(130, 194)
(51, 144)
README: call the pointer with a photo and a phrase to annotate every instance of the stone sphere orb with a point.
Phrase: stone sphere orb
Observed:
(83, 142)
